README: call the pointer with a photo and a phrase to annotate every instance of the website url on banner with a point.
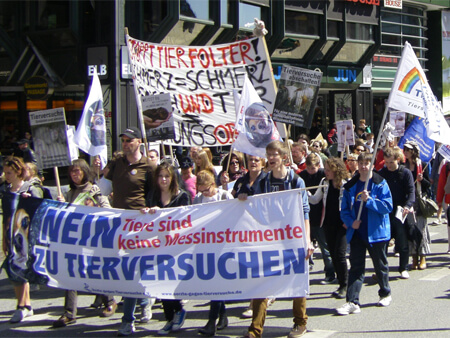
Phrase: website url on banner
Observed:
(205, 293)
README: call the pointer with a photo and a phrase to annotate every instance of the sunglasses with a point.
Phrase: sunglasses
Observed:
(234, 162)
(127, 140)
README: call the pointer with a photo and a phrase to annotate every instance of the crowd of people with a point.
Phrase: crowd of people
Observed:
(348, 209)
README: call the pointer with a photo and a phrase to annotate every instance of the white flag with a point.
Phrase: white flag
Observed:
(90, 135)
(254, 123)
(411, 93)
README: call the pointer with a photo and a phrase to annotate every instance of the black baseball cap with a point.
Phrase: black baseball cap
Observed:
(23, 141)
(132, 132)
(186, 162)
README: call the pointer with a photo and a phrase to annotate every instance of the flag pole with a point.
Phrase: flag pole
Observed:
(138, 100)
(380, 131)
(58, 183)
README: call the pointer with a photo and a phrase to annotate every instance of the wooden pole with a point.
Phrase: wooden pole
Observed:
(58, 184)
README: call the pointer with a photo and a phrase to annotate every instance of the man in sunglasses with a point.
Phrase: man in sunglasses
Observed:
(131, 176)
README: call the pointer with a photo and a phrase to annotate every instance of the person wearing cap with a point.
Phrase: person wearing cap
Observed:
(28, 154)
(131, 175)
(189, 179)
(420, 245)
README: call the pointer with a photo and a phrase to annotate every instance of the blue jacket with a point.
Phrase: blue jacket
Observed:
(379, 205)
(292, 181)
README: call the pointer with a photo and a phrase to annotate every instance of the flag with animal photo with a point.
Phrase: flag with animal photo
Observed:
(254, 123)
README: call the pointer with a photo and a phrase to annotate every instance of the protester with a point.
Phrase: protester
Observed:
(312, 176)
(369, 232)
(189, 179)
(82, 191)
(153, 156)
(401, 185)
(304, 139)
(168, 195)
(317, 147)
(420, 244)
(336, 176)
(227, 178)
(248, 185)
(131, 176)
(280, 178)
(15, 171)
(299, 153)
(332, 134)
(443, 194)
(352, 164)
(369, 142)
(202, 162)
(208, 192)
(27, 153)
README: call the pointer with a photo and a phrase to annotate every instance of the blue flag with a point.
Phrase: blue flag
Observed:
(417, 132)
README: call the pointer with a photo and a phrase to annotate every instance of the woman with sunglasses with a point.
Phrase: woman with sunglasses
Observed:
(207, 191)
(15, 171)
(167, 194)
(235, 170)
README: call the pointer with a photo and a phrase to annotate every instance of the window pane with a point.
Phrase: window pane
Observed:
(359, 31)
(291, 48)
(183, 33)
(390, 28)
(333, 29)
(195, 9)
(302, 23)
(351, 52)
(248, 13)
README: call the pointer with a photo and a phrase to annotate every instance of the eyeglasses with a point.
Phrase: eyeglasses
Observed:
(127, 140)
(205, 190)
(234, 162)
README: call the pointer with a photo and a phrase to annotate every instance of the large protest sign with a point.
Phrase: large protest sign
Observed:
(50, 139)
(200, 80)
(222, 250)
(345, 134)
(158, 118)
(297, 95)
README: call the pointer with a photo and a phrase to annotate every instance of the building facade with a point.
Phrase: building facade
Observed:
(48, 50)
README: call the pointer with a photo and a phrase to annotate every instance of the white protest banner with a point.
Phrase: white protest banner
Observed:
(220, 251)
(50, 139)
(345, 134)
(297, 95)
(397, 119)
(200, 80)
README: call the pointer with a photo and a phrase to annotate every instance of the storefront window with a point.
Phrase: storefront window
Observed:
(292, 48)
(53, 14)
(183, 33)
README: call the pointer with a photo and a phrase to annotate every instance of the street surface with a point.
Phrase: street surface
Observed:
(420, 308)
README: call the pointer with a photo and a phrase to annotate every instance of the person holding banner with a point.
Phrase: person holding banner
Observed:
(281, 178)
(15, 170)
(131, 174)
(370, 230)
(168, 195)
(336, 176)
(82, 191)
(420, 244)
(208, 192)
